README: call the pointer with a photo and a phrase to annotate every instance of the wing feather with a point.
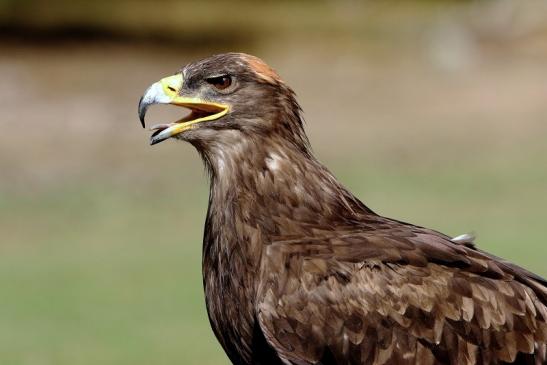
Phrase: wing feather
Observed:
(404, 298)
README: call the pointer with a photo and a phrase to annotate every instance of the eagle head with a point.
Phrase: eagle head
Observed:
(232, 95)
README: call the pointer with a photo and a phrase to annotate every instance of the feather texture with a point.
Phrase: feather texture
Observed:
(297, 270)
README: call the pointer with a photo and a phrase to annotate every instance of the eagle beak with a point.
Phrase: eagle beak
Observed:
(167, 91)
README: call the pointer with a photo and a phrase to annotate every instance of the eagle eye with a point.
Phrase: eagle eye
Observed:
(220, 82)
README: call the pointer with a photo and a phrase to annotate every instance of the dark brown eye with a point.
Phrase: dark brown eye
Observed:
(220, 82)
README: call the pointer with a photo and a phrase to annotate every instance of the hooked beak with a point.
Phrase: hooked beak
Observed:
(166, 91)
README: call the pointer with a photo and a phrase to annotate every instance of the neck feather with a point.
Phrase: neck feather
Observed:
(275, 186)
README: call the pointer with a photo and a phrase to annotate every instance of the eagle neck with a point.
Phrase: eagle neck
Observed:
(257, 183)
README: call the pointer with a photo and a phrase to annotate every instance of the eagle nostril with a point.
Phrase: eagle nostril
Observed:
(171, 88)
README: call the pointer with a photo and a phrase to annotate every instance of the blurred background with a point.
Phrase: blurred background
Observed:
(433, 112)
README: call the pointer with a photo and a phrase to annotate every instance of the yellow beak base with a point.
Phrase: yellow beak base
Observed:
(167, 91)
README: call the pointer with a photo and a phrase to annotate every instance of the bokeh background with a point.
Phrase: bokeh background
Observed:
(432, 112)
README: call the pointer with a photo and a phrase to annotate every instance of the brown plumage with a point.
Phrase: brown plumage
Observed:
(297, 270)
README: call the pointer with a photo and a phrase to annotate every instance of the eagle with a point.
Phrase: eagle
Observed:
(297, 270)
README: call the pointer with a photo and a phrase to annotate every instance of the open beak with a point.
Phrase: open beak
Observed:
(166, 91)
